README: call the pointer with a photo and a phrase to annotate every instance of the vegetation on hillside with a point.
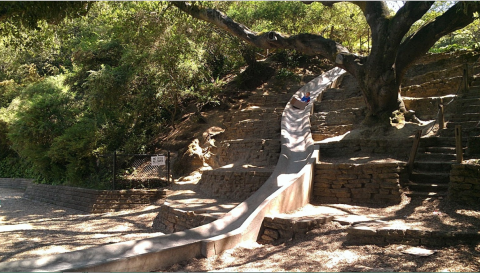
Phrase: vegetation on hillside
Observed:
(88, 78)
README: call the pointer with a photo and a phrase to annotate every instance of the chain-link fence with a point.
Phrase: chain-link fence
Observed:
(135, 171)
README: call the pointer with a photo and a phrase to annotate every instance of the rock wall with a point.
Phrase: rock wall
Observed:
(464, 184)
(236, 185)
(255, 152)
(278, 229)
(15, 183)
(363, 234)
(92, 201)
(253, 122)
(375, 183)
(171, 220)
(399, 149)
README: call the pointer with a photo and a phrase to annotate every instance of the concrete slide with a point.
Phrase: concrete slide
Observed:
(287, 189)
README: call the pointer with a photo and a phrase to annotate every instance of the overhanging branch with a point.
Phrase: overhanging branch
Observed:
(457, 17)
(310, 44)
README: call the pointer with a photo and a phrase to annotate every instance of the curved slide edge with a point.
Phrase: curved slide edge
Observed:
(287, 189)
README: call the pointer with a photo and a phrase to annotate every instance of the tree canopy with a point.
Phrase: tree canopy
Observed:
(394, 47)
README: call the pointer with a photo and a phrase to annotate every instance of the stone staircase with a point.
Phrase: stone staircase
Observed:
(425, 86)
(338, 110)
(431, 172)
(244, 157)
(248, 151)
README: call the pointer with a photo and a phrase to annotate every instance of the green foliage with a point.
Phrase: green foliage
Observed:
(343, 22)
(45, 112)
(13, 166)
(285, 74)
(122, 74)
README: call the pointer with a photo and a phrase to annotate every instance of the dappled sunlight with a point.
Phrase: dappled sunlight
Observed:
(50, 250)
(6, 228)
(341, 258)
(46, 229)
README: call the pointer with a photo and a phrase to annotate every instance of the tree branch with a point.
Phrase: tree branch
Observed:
(406, 16)
(416, 45)
(310, 44)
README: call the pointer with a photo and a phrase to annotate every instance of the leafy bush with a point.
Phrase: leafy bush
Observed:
(46, 110)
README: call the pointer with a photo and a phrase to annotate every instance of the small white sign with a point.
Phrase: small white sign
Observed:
(158, 160)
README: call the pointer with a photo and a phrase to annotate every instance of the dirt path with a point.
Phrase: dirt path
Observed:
(30, 229)
(323, 249)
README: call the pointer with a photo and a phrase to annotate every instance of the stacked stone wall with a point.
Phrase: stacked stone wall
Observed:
(399, 149)
(464, 186)
(171, 220)
(285, 228)
(236, 185)
(248, 128)
(374, 183)
(270, 100)
(89, 200)
(361, 235)
(256, 152)
(15, 183)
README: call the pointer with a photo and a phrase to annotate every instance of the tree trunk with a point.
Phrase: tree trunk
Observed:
(381, 90)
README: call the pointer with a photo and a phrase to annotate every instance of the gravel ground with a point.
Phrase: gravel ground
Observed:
(324, 249)
(32, 229)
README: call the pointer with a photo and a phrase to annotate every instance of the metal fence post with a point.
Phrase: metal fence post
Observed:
(458, 142)
(168, 167)
(114, 168)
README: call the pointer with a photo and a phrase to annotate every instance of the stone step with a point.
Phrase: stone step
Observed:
(273, 100)
(332, 105)
(430, 177)
(464, 124)
(440, 150)
(255, 112)
(252, 129)
(465, 101)
(466, 132)
(427, 187)
(338, 117)
(435, 157)
(421, 194)
(323, 132)
(432, 166)
(465, 117)
(441, 141)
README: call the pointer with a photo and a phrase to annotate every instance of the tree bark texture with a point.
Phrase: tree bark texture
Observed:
(378, 74)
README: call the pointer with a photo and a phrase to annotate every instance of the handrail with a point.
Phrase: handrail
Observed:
(458, 143)
(413, 152)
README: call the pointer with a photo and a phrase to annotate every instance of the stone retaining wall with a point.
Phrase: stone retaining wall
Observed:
(393, 149)
(171, 220)
(269, 100)
(15, 183)
(236, 185)
(284, 228)
(256, 152)
(362, 234)
(377, 183)
(92, 201)
(464, 186)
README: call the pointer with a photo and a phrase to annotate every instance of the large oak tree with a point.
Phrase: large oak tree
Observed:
(393, 50)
